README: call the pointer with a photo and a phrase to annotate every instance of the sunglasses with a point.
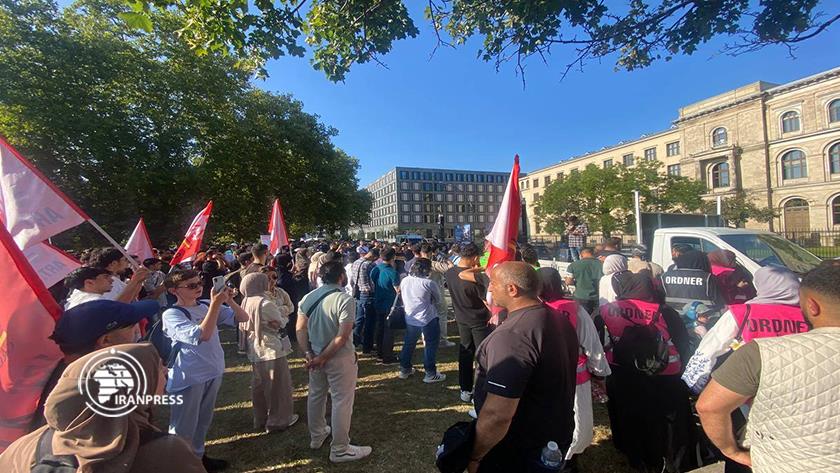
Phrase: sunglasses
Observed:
(194, 285)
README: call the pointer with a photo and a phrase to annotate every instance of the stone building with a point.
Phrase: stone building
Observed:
(778, 143)
(411, 200)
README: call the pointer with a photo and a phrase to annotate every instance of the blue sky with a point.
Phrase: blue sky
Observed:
(455, 111)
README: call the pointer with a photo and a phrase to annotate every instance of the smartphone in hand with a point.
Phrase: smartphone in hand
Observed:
(218, 284)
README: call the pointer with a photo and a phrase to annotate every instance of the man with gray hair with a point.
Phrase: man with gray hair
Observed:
(525, 385)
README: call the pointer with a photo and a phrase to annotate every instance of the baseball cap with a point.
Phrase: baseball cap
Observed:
(363, 250)
(82, 325)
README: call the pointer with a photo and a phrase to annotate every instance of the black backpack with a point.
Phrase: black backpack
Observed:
(166, 349)
(642, 347)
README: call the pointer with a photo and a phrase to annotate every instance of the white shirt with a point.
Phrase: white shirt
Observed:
(80, 297)
(116, 288)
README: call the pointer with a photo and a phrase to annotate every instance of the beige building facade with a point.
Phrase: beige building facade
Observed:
(778, 143)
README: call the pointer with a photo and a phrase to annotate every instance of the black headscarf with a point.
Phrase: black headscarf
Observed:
(551, 284)
(694, 259)
(636, 286)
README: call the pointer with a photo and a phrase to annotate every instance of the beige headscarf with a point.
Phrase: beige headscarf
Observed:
(255, 289)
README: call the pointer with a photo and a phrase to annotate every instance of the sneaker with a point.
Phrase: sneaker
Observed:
(446, 343)
(404, 375)
(435, 378)
(352, 454)
(466, 396)
(316, 443)
(472, 413)
(213, 464)
(392, 361)
(292, 421)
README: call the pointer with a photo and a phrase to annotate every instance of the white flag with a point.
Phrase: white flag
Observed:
(51, 264)
(139, 244)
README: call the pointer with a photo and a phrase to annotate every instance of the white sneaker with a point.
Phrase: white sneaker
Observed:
(404, 375)
(352, 454)
(466, 396)
(435, 378)
(473, 414)
(316, 443)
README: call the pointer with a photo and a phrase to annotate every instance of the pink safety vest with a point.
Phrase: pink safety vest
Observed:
(768, 320)
(621, 314)
(569, 309)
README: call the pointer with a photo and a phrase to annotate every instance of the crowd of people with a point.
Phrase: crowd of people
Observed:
(535, 350)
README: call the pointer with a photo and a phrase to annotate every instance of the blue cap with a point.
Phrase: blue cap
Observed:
(362, 250)
(82, 325)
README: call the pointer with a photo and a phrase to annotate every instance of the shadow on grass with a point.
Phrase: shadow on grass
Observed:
(403, 420)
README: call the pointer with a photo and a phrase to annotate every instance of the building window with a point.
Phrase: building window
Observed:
(834, 111)
(790, 122)
(490, 198)
(720, 175)
(674, 170)
(481, 178)
(406, 196)
(834, 159)
(403, 174)
(459, 197)
(536, 183)
(719, 137)
(438, 197)
(481, 219)
(500, 189)
(607, 163)
(450, 219)
(835, 210)
(546, 180)
(560, 176)
(450, 177)
(427, 186)
(417, 197)
(459, 177)
(628, 159)
(479, 187)
(406, 208)
(650, 154)
(438, 176)
(481, 197)
(793, 165)
(481, 208)
(536, 197)
(469, 188)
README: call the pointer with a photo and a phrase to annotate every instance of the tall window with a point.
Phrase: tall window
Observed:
(834, 111)
(719, 137)
(546, 180)
(672, 149)
(720, 175)
(835, 211)
(834, 158)
(674, 170)
(627, 159)
(536, 183)
(607, 163)
(650, 154)
(790, 122)
(793, 165)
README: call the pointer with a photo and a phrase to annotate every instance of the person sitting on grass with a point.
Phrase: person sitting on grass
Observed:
(200, 362)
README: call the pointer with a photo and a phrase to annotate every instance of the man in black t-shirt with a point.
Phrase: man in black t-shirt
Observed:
(471, 314)
(525, 388)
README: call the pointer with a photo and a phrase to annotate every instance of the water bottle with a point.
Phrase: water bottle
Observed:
(552, 457)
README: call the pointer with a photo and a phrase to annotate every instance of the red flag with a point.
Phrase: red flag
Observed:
(139, 244)
(192, 240)
(51, 263)
(32, 208)
(502, 238)
(277, 229)
(27, 355)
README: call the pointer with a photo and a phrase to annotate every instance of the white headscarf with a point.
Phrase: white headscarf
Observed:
(613, 264)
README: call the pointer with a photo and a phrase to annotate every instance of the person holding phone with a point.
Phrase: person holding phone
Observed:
(200, 362)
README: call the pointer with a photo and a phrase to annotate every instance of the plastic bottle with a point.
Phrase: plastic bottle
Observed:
(552, 457)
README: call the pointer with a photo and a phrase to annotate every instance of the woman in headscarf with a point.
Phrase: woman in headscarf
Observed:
(649, 408)
(268, 346)
(286, 282)
(734, 282)
(774, 312)
(614, 266)
(99, 444)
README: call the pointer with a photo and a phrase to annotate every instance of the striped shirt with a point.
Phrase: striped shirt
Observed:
(360, 275)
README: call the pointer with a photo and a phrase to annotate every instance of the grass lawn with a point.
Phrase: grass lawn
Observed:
(403, 420)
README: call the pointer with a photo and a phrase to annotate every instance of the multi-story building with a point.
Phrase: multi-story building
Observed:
(778, 143)
(410, 200)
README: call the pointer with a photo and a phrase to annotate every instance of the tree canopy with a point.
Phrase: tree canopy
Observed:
(343, 33)
(134, 124)
(603, 196)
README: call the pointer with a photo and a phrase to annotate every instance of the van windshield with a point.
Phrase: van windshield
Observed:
(770, 249)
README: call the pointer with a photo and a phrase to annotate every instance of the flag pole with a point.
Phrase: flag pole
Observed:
(134, 264)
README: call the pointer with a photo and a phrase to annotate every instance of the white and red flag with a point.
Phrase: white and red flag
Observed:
(502, 238)
(32, 208)
(139, 244)
(192, 240)
(50, 263)
(27, 355)
(277, 229)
